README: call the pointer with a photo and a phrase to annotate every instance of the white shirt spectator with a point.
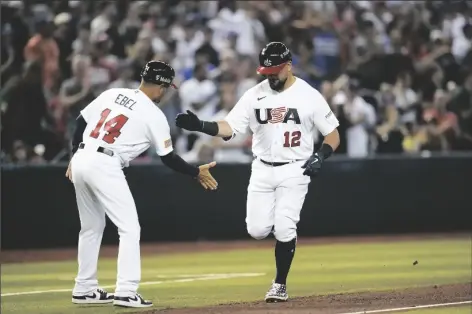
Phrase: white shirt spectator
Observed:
(99, 25)
(202, 92)
(357, 135)
(404, 99)
(185, 50)
(460, 47)
(194, 91)
(248, 30)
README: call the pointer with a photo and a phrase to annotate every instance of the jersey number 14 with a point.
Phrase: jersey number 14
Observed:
(112, 127)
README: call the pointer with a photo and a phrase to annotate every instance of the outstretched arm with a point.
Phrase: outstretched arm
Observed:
(189, 121)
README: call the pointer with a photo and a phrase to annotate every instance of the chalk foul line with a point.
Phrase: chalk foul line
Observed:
(190, 278)
(397, 309)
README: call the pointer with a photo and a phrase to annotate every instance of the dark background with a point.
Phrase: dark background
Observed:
(368, 196)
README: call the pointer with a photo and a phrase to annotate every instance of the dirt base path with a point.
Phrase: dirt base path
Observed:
(22, 256)
(342, 303)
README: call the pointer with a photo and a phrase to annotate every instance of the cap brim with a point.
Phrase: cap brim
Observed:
(270, 70)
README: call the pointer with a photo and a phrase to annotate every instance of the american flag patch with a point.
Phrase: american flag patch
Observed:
(168, 143)
(329, 114)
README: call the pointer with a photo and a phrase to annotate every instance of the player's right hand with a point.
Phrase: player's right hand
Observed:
(188, 121)
(69, 173)
(205, 178)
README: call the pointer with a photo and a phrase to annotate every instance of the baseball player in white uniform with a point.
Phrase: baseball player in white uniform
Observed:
(284, 113)
(112, 130)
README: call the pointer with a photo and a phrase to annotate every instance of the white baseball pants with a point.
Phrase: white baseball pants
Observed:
(101, 189)
(275, 199)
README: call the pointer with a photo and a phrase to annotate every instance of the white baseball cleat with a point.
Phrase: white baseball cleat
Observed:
(134, 301)
(97, 296)
(276, 293)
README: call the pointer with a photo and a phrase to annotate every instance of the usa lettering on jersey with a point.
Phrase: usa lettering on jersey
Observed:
(277, 115)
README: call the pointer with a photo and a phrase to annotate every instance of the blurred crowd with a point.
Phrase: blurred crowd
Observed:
(398, 74)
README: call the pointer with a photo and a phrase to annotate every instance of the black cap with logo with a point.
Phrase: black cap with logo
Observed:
(158, 72)
(273, 57)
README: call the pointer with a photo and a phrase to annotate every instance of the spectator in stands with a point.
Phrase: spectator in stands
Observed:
(304, 65)
(198, 95)
(140, 53)
(235, 150)
(103, 65)
(132, 24)
(104, 20)
(207, 48)
(76, 93)
(359, 117)
(441, 124)
(406, 99)
(82, 44)
(460, 103)
(418, 49)
(125, 77)
(245, 76)
(389, 134)
(26, 107)
(188, 45)
(7, 50)
(64, 36)
(43, 48)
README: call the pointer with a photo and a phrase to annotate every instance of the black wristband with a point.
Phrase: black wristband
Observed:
(210, 128)
(325, 151)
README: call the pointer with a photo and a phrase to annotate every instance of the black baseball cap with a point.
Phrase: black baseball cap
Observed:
(273, 57)
(158, 72)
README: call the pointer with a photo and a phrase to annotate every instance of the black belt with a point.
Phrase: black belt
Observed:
(275, 164)
(100, 149)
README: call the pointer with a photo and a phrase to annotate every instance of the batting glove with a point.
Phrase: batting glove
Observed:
(313, 165)
(188, 121)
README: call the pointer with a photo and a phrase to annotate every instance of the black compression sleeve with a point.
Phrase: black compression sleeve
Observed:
(210, 128)
(78, 133)
(176, 163)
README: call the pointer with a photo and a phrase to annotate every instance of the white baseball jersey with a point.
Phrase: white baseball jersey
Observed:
(127, 122)
(283, 124)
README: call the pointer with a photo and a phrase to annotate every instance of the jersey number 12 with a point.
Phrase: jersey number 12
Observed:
(292, 139)
(112, 127)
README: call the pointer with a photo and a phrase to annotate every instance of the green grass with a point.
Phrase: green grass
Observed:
(320, 269)
(466, 309)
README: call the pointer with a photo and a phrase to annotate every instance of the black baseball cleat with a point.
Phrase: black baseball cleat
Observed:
(134, 301)
(97, 296)
(276, 293)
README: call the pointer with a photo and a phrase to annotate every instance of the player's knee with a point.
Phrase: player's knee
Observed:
(258, 232)
(93, 226)
(130, 231)
(285, 234)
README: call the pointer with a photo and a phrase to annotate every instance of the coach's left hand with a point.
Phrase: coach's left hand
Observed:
(205, 178)
(313, 165)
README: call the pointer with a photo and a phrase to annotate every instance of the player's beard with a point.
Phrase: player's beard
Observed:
(276, 84)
